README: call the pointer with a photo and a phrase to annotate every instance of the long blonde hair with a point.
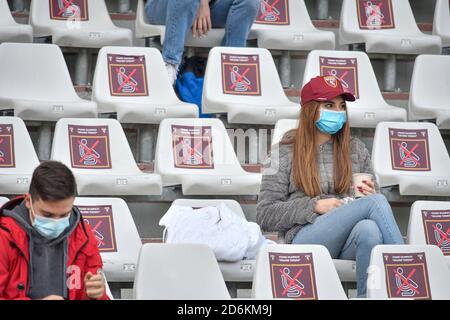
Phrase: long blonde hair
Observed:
(304, 166)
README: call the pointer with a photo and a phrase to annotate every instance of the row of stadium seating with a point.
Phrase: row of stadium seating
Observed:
(283, 24)
(240, 82)
(198, 155)
(126, 259)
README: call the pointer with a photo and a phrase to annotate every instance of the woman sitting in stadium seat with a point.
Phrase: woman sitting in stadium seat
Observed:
(307, 197)
(198, 17)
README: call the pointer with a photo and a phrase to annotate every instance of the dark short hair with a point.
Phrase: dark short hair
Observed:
(52, 181)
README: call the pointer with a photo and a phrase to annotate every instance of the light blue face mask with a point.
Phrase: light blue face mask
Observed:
(330, 121)
(48, 227)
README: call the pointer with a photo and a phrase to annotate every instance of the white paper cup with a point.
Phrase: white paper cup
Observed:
(357, 181)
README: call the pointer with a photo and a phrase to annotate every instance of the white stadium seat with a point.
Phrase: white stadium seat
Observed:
(3, 200)
(146, 30)
(198, 155)
(304, 272)
(133, 82)
(281, 127)
(244, 83)
(441, 22)
(36, 83)
(18, 158)
(386, 27)
(119, 243)
(409, 272)
(10, 30)
(239, 271)
(77, 23)
(429, 223)
(413, 156)
(98, 153)
(355, 71)
(178, 272)
(286, 25)
(430, 90)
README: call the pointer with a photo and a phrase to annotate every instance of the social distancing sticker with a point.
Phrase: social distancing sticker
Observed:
(89, 147)
(127, 75)
(101, 221)
(436, 225)
(192, 147)
(344, 69)
(69, 10)
(292, 276)
(275, 12)
(409, 149)
(241, 74)
(7, 157)
(375, 14)
(407, 275)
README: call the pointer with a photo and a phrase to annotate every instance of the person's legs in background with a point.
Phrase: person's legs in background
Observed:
(364, 236)
(237, 17)
(177, 16)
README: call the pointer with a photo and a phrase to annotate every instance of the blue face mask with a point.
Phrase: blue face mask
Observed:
(48, 227)
(330, 121)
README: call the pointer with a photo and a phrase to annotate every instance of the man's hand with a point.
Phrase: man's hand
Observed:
(326, 205)
(202, 23)
(53, 297)
(94, 285)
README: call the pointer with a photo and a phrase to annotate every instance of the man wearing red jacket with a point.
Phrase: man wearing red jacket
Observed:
(46, 250)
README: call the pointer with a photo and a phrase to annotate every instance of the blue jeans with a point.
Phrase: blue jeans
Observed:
(352, 230)
(236, 16)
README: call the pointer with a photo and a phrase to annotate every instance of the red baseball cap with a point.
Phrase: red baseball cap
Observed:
(324, 88)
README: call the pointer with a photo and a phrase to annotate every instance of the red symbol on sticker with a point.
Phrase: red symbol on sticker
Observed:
(375, 18)
(68, 9)
(406, 286)
(269, 12)
(191, 155)
(239, 81)
(292, 285)
(127, 83)
(88, 156)
(334, 73)
(97, 233)
(2, 154)
(441, 237)
(408, 158)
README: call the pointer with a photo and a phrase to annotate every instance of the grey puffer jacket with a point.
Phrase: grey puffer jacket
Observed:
(282, 206)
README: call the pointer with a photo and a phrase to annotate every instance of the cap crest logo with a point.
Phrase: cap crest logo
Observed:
(331, 81)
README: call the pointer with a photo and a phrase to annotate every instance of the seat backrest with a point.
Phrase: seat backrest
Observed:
(409, 148)
(292, 271)
(35, 72)
(96, 146)
(3, 200)
(178, 272)
(353, 69)
(378, 17)
(242, 76)
(283, 15)
(207, 139)
(131, 74)
(408, 271)
(201, 203)
(112, 223)
(441, 21)
(5, 14)
(281, 127)
(430, 82)
(429, 223)
(70, 14)
(17, 153)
